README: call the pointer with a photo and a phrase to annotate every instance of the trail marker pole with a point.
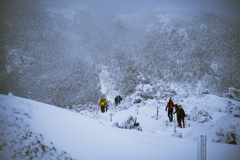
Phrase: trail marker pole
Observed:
(111, 117)
(201, 148)
(157, 113)
(175, 130)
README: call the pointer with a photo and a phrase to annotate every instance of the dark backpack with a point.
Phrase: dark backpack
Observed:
(181, 112)
(118, 99)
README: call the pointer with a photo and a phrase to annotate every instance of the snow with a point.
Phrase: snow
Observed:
(132, 130)
(107, 85)
(34, 130)
(26, 125)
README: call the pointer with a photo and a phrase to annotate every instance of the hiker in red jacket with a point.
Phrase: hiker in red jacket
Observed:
(170, 106)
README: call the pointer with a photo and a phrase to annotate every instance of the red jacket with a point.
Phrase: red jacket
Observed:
(168, 106)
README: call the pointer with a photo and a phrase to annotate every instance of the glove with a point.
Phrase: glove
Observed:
(165, 109)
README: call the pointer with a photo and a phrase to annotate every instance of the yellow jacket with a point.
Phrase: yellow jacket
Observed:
(105, 102)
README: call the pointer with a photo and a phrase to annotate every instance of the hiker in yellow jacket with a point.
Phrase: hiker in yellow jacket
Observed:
(103, 104)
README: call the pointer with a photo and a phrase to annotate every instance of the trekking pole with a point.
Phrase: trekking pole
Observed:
(97, 111)
(187, 124)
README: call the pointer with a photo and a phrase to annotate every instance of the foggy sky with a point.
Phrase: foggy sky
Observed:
(224, 7)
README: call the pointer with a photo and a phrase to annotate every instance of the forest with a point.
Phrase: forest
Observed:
(51, 53)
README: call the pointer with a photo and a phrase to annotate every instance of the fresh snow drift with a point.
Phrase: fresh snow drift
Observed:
(34, 130)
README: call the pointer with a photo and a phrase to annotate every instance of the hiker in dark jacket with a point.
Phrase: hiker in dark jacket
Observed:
(181, 115)
(170, 106)
(118, 99)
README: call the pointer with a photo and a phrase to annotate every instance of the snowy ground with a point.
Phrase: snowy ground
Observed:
(30, 129)
(216, 117)
(34, 130)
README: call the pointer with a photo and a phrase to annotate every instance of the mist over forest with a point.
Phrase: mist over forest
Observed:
(52, 53)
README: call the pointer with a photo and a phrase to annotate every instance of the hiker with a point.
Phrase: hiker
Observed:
(170, 106)
(103, 104)
(118, 99)
(181, 115)
(176, 111)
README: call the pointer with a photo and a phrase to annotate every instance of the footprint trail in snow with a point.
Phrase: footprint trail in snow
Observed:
(107, 85)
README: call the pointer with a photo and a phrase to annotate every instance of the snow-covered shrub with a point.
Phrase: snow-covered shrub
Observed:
(205, 92)
(237, 112)
(145, 91)
(232, 109)
(228, 135)
(129, 123)
(124, 107)
(138, 100)
(169, 93)
(233, 93)
(90, 107)
(29, 145)
(229, 107)
(200, 116)
(177, 134)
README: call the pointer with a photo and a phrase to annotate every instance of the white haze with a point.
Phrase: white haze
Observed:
(223, 7)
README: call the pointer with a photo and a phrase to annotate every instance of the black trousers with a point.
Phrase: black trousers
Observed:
(170, 114)
(103, 109)
(181, 119)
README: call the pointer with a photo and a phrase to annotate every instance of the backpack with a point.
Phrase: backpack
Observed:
(102, 102)
(181, 112)
(170, 105)
(118, 99)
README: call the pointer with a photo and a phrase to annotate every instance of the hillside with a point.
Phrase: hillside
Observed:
(52, 53)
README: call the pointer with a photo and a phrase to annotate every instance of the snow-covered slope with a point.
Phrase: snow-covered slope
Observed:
(107, 85)
(33, 130)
